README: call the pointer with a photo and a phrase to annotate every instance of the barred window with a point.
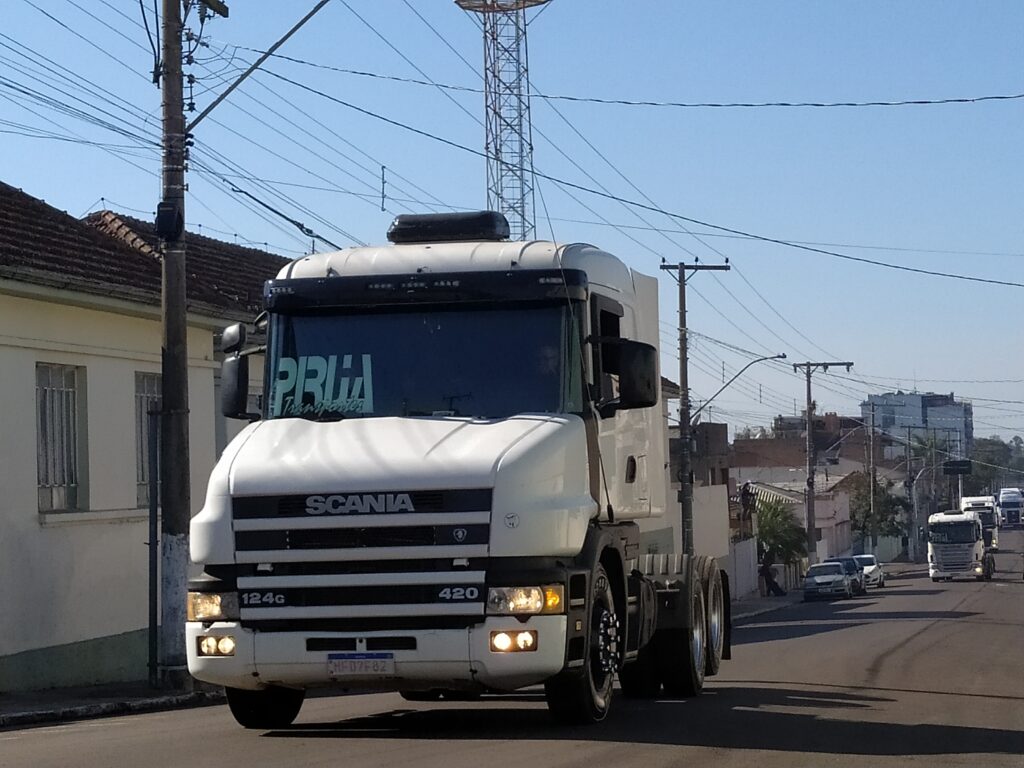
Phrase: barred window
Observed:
(58, 467)
(147, 398)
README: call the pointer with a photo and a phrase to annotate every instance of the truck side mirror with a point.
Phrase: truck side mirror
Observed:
(638, 375)
(234, 388)
(232, 338)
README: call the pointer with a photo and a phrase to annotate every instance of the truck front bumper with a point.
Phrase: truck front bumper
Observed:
(450, 658)
(969, 573)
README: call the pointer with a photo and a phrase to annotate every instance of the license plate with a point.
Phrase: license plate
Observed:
(360, 664)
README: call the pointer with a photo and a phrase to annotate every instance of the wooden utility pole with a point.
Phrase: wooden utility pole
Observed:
(174, 449)
(685, 472)
(812, 535)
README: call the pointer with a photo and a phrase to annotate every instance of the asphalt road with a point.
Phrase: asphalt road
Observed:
(914, 674)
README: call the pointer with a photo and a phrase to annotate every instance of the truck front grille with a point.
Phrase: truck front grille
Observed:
(362, 561)
(953, 557)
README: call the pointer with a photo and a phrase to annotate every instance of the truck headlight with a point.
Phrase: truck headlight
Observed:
(511, 601)
(212, 606)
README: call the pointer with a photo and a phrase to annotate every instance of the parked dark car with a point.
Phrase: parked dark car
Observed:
(855, 571)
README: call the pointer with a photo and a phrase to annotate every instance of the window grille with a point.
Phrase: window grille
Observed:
(57, 436)
(147, 398)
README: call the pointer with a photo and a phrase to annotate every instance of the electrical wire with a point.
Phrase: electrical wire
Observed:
(651, 103)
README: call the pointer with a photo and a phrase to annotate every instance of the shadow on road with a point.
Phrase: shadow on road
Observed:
(753, 718)
(821, 617)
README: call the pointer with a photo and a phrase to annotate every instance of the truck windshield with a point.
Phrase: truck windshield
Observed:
(988, 517)
(952, 533)
(433, 361)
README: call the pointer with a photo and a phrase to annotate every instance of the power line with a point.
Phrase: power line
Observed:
(609, 196)
(646, 103)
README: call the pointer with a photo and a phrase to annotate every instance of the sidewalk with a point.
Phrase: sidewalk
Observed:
(64, 704)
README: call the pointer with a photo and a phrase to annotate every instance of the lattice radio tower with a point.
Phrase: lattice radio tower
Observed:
(509, 142)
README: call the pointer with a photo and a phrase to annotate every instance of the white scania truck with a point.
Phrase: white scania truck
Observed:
(439, 497)
(956, 547)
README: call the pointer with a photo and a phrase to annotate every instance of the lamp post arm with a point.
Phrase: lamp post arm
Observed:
(707, 402)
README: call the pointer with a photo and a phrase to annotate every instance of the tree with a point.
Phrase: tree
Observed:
(990, 455)
(780, 537)
(889, 512)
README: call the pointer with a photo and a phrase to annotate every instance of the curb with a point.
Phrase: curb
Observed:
(759, 611)
(111, 709)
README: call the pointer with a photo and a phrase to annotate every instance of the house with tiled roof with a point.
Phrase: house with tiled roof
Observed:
(80, 350)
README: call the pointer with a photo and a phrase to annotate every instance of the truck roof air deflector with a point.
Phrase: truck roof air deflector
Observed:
(448, 227)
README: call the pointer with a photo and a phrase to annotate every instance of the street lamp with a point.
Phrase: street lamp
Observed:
(693, 417)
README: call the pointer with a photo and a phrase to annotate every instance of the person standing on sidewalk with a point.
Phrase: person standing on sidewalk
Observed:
(768, 574)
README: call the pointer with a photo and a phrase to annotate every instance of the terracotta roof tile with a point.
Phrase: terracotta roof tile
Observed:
(114, 255)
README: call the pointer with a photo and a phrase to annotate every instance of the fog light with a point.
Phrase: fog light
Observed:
(217, 645)
(513, 642)
(977, 569)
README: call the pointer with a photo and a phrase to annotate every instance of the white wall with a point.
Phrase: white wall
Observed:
(711, 520)
(82, 575)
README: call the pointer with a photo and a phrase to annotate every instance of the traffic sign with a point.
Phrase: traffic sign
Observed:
(956, 467)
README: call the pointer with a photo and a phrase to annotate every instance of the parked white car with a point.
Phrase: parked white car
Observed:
(874, 574)
(827, 580)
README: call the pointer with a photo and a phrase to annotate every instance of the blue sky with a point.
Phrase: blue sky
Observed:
(912, 180)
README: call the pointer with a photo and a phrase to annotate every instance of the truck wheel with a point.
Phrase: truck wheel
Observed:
(639, 680)
(714, 605)
(682, 653)
(575, 697)
(272, 707)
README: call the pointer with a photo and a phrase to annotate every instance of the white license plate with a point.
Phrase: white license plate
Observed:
(360, 664)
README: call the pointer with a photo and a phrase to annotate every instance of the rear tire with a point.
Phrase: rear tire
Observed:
(714, 608)
(682, 653)
(585, 696)
(272, 707)
(639, 680)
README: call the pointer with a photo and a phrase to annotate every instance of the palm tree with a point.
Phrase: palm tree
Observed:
(780, 536)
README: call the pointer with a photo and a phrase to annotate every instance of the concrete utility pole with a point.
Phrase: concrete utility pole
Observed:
(685, 472)
(812, 536)
(872, 473)
(174, 453)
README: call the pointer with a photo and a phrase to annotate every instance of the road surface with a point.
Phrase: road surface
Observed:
(914, 674)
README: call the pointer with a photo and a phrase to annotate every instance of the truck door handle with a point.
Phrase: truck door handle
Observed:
(631, 469)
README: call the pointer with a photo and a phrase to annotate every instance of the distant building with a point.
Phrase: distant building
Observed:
(924, 416)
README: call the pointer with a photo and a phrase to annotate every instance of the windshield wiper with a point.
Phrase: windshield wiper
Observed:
(323, 416)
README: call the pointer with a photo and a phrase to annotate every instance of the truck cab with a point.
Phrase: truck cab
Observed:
(1010, 503)
(440, 494)
(956, 547)
(988, 513)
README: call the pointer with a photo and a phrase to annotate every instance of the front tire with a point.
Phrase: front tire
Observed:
(271, 707)
(579, 698)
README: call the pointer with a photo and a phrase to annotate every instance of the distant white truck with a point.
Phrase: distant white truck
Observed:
(1010, 503)
(985, 506)
(956, 547)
